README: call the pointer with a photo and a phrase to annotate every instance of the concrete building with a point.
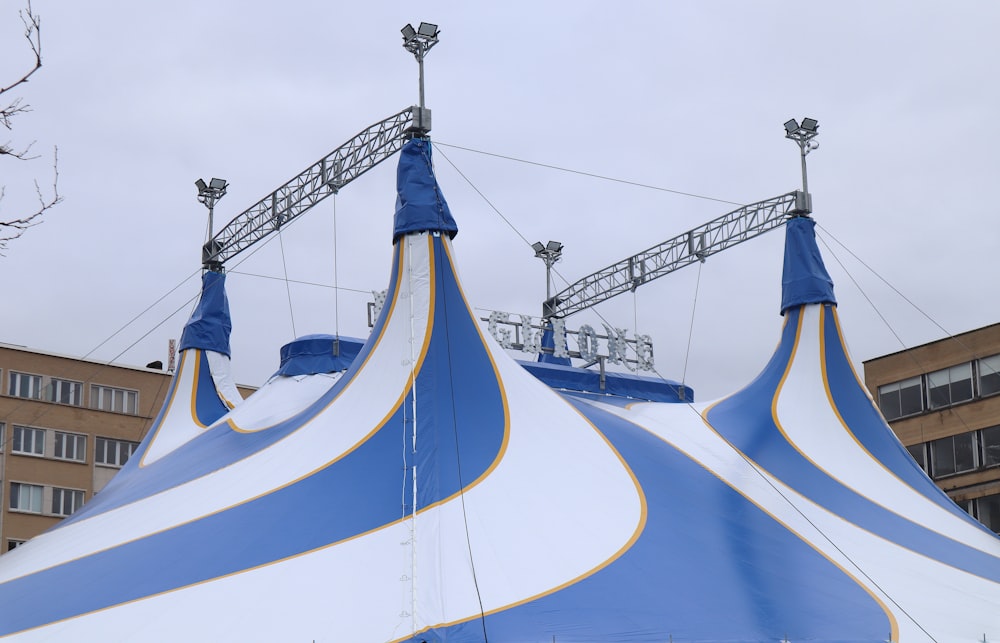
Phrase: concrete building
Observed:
(942, 400)
(66, 427)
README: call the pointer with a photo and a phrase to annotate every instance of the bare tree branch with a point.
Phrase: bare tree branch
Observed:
(8, 113)
(14, 228)
(33, 33)
(21, 155)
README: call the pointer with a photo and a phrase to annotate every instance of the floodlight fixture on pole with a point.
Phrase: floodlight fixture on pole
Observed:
(803, 135)
(418, 42)
(208, 195)
(550, 253)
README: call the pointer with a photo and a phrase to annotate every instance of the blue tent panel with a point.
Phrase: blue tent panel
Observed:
(626, 385)
(319, 353)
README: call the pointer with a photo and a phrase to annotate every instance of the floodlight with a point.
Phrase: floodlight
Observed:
(550, 253)
(208, 195)
(803, 136)
(418, 42)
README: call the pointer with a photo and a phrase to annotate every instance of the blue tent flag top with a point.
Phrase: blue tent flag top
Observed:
(210, 323)
(420, 205)
(805, 279)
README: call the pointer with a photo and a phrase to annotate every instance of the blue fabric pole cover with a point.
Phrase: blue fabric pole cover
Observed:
(420, 205)
(805, 279)
(210, 324)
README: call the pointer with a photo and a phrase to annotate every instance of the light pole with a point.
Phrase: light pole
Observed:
(418, 42)
(208, 195)
(550, 253)
(803, 135)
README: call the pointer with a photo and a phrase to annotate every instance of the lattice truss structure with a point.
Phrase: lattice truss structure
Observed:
(320, 180)
(696, 244)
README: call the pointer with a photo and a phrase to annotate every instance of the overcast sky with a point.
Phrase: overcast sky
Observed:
(144, 98)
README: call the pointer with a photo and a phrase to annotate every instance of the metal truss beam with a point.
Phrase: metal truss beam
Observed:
(321, 179)
(694, 245)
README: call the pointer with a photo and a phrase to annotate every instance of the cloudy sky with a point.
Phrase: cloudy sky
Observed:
(143, 98)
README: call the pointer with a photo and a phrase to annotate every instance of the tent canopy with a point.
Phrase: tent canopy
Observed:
(423, 486)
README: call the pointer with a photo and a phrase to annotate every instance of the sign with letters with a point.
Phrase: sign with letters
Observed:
(524, 333)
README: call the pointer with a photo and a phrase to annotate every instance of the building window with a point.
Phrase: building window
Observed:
(991, 446)
(955, 454)
(26, 497)
(28, 440)
(968, 506)
(919, 454)
(66, 501)
(989, 375)
(988, 511)
(70, 446)
(25, 385)
(949, 386)
(13, 543)
(113, 453)
(119, 400)
(901, 398)
(65, 392)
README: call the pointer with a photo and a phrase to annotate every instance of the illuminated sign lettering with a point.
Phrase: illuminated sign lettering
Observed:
(525, 334)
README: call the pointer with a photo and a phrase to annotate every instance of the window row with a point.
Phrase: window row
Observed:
(940, 389)
(41, 499)
(62, 445)
(960, 453)
(113, 453)
(54, 389)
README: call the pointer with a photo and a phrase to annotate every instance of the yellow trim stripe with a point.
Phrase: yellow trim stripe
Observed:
(829, 392)
(169, 403)
(194, 390)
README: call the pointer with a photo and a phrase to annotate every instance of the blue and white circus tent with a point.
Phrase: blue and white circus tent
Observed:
(424, 486)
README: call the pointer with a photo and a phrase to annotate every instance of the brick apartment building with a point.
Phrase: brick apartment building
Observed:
(942, 399)
(66, 427)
